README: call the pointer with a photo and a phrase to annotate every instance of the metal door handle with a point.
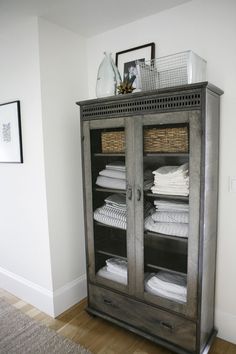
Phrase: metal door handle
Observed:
(129, 192)
(139, 194)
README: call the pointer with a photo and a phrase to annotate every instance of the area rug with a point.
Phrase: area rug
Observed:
(19, 334)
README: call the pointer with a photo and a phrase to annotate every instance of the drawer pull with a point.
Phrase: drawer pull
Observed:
(107, 302)
(166, 325)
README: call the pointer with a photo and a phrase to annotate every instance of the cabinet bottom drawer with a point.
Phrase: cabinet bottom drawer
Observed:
(145, 318)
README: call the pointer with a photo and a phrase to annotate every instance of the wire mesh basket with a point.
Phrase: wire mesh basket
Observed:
(172, 70)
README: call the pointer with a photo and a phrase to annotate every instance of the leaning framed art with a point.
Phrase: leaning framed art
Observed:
(10, 133)
(126, 62)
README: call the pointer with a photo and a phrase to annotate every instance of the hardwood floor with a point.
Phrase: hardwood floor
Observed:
(99, 336)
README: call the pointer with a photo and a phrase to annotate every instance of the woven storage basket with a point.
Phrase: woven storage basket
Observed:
(174, 139)
(113, 142)
(171, 139)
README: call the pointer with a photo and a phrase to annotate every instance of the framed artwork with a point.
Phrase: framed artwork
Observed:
(126, 62)
(10, 133)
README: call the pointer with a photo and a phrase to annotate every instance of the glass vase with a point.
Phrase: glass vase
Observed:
(108, 77)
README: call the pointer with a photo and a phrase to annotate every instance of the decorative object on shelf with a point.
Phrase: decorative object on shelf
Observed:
(108, 77)
(125, 87)
(171, 70)
(10, 133)
(126, 62)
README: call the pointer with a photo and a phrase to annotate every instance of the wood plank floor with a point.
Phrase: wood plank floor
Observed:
(98, 335)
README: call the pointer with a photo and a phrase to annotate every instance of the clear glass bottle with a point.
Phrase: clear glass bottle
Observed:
(108, 77)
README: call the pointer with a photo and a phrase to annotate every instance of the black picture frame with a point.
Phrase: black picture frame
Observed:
(10, 133)
(126, 62)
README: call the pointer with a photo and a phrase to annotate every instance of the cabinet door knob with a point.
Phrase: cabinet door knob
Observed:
(129, 192)
(139, 194)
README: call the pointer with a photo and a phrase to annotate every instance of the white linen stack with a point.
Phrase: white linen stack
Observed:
(165, 284)
(115, 269)
(170, 218)
(113, 212)
(113, 176)
(173, 180)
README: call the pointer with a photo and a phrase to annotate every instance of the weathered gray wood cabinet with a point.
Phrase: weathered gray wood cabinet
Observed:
(184, 327)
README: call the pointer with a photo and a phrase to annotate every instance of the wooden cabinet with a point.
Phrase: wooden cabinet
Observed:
(183, 326)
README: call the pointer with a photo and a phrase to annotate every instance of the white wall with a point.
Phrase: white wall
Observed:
(63, 82)
(42, 256)
(208, 27)
(25, 267)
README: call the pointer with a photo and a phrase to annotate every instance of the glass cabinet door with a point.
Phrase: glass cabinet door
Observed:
(167, 207)
(109, 203)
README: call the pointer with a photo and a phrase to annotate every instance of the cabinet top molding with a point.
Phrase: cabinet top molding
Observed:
(169, 99)
(173, 89)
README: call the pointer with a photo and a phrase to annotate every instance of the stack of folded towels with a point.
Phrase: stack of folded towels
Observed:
(172, 180)
(165, 284)
(170, 218)
(113, 176)
(113, 212)
(115, 269)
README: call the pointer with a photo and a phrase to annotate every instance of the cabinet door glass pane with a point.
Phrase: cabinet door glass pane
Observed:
(109, 204)
(166, 210)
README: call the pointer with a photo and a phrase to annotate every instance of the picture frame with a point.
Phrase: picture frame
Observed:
(10, 133)
(126, 62)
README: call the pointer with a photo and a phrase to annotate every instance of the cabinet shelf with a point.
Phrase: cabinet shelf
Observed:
(101, 154)
(109, 190)
(154, 267)
(166, 154)
(169, 261)
(110, 241)
(167, 237)
(111, 254)
(108, 226)
(166, 196)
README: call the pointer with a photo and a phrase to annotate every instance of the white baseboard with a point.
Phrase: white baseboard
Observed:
(69, 295)
(52, 303)
(226, 325)
(28, 291)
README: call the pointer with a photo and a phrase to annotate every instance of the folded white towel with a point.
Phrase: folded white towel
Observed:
(117, 265)
(165, 205)
(113, 212)
(165, 293)
(181, 192)
(171, 171)
(116, 165)
(116, 200)
(165, 284)
(171, 180)
(168, 216)
(171, 228)
(104, 273)
(108, 220)
(113, 174)
(114, 183)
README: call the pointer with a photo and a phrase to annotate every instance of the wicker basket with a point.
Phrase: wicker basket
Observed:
(113, 142)
(174, 139)
(171, 139)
